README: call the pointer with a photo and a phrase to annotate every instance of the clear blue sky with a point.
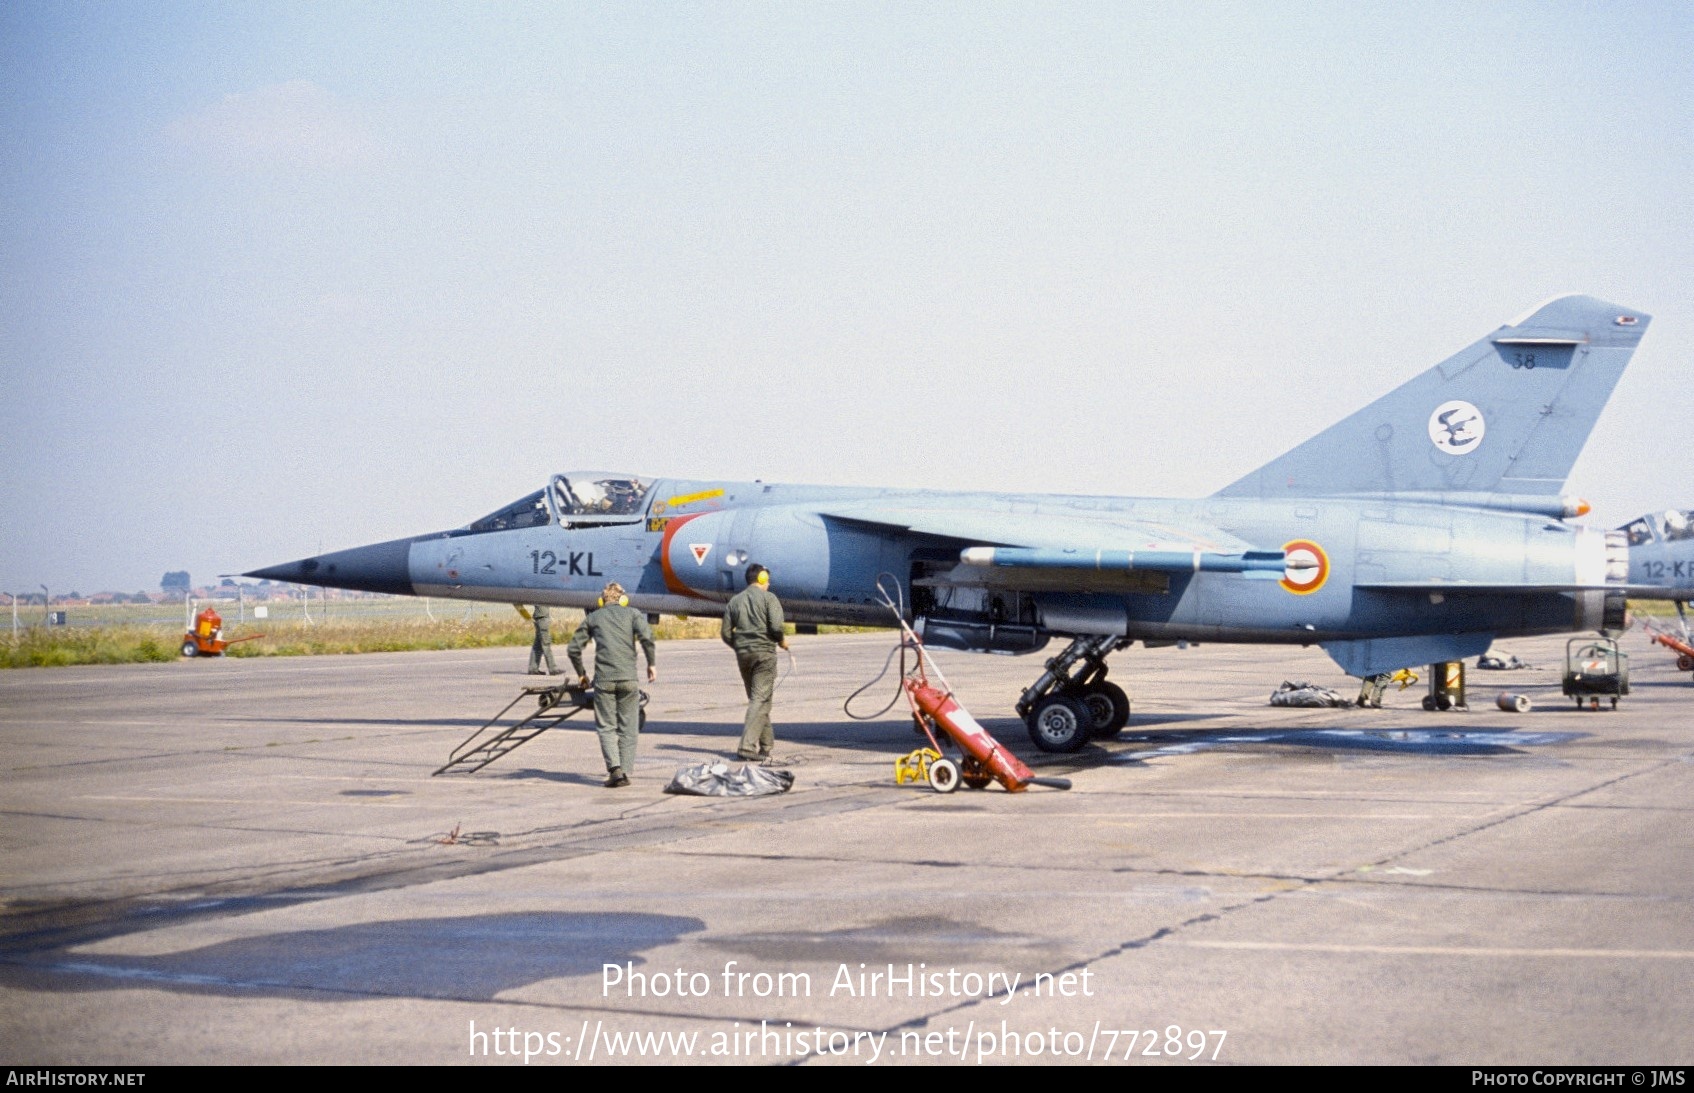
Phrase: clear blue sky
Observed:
(279, 278)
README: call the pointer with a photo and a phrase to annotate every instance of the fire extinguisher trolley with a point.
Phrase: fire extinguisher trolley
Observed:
(983, 759)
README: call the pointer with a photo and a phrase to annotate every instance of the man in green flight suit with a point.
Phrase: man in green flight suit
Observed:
(752, 626)
(614, 629)
(542, 617)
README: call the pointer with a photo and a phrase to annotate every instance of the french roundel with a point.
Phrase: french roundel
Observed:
(1307, 569)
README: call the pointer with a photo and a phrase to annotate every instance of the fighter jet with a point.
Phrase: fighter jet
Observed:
(1661, 558)
(1418, 530)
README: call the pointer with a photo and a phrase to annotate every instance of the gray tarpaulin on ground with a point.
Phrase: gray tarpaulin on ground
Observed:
(1306, 694)
(718, 780)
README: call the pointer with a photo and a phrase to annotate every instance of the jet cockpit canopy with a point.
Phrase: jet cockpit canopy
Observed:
(574, 499)
(1670, 526)
(598, 497)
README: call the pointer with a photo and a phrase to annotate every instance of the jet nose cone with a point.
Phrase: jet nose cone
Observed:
(381, 567)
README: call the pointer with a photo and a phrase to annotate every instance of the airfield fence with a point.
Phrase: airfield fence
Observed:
(253, 612)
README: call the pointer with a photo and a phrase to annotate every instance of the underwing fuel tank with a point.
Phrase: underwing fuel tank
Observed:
(709, 553)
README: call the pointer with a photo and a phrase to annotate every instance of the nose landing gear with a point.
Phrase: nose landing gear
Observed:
(1071, 704)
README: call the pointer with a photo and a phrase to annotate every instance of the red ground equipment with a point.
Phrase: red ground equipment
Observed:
(1683, 650)
(984, 758)
(206, 639)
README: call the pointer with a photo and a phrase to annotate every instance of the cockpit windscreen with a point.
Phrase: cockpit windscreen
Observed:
(530, 512)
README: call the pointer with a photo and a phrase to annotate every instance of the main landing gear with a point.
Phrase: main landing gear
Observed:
(1073, 701)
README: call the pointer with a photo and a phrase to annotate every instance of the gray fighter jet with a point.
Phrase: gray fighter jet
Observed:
(1661, 558)
(1418, 530)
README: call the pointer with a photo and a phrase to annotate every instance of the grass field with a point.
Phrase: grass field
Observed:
(134, 633)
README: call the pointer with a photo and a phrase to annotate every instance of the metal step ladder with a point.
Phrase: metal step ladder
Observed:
(554, 704)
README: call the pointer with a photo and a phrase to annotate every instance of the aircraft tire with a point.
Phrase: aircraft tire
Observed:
(943, 776)
(1109, 705)
(1060, 724)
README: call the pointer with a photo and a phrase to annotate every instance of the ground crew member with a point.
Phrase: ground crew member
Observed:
(543, 646)
(614, 629)
(752, 626)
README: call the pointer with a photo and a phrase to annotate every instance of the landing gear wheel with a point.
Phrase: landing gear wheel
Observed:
(1060, 723)
(1109, 706)
(944, 776)
(189, 649)
(973, 775)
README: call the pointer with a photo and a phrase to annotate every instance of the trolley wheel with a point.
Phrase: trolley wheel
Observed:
(1060, 723)
(1108, 704)
(1685, 663)
(973, 775)
(943, 776)
(1429, 702)
(189, 649)
(546, 700)
(641, 721)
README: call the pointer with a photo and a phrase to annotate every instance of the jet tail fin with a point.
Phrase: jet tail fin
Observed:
(1508, 415)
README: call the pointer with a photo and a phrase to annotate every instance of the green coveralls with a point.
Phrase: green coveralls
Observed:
(752, 626)
(543, 646)
(614, 630)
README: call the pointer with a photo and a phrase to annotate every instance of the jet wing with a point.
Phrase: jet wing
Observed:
(1075, 530)
(1069, 551)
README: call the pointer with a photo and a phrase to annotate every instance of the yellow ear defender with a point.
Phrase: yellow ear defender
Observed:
(765, 577)
(623, 601)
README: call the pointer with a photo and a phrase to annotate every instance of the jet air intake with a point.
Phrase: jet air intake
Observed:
(708, 554)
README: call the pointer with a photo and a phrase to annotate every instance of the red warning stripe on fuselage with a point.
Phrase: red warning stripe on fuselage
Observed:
(672, 581)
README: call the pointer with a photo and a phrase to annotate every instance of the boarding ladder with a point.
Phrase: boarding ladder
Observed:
(554, 704)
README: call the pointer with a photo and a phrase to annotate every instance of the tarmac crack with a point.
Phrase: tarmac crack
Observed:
(1528, 810)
